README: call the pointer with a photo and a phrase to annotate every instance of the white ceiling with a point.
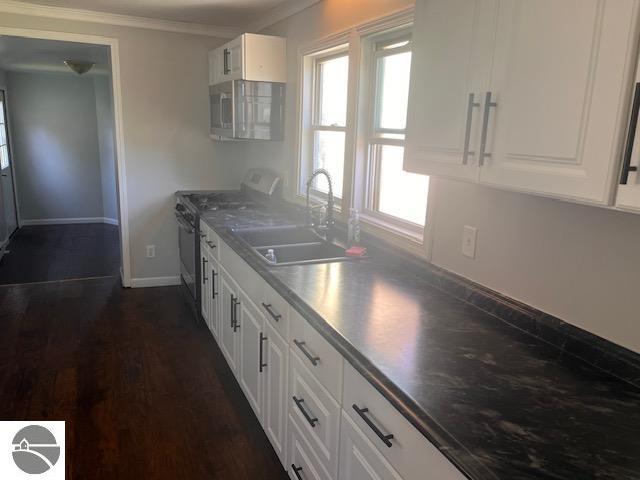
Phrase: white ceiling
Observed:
(28, 54)
(227, 13)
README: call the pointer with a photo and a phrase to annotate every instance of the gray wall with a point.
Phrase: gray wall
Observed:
(579, 263)
(164, 80)
(55, 145)
(106, 146)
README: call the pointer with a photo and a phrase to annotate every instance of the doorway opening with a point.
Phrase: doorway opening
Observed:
(61, 204)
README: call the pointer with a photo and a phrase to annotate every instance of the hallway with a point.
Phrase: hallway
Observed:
(144, 390)
(45, 253)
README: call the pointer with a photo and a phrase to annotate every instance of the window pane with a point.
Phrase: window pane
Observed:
(4, 157)
(394, 72)
(329, 154)
(401, 194)
(333, 78)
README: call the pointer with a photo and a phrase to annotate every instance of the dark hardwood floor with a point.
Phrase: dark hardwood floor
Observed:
(144, 389)
(56, 252)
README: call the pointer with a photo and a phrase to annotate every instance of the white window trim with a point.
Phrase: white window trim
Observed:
(358, 130)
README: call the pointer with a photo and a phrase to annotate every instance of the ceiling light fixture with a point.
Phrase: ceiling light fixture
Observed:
(79, 66)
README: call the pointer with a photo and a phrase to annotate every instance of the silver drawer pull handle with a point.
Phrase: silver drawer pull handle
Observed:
(301, 345)
(269, 308)
(488, 105)
(386, 439)
(467, 134)
(312, 420)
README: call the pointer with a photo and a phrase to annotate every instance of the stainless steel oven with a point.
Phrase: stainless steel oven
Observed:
(187, 235)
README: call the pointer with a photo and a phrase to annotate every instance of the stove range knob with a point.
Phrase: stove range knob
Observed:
(180, 207)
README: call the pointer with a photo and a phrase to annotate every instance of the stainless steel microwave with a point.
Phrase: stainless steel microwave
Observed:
(247, 110)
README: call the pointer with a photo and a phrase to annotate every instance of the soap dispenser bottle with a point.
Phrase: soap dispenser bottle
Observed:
(353, 228)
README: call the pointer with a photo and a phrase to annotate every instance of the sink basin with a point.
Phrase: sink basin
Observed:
(321, 252)
(277, 236)
(292, 245)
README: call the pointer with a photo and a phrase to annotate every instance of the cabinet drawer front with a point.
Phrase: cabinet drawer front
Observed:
(302, 459)
(316, 413)
(276, 310)
(246, 278)
(208, 240)
(410, 453)
(322, 359)
(359, 458)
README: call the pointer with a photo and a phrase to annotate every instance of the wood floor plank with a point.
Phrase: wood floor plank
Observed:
(144, 389)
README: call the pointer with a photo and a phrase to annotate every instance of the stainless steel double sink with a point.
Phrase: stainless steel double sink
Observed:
(291, 245)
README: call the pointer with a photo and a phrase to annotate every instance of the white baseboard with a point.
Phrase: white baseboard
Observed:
(67, 221)
(155, 282)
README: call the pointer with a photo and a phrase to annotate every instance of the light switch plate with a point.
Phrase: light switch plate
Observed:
(469, 237)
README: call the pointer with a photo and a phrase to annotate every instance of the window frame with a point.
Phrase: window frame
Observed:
(358, 41)
(309, 113)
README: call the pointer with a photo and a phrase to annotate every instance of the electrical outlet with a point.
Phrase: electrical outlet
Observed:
(151, 251)
(469, 237)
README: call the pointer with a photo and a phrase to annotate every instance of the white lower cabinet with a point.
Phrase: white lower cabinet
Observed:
(275, 370)
(323, 419)
(359, 459)
(316, 413)
(229, 322)
(303, 464)
(251, 354)
(204, 283)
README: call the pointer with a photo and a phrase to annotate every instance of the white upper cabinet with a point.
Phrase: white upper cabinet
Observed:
(448, 76)
(261, 58)
(553, 107)
(628, 197)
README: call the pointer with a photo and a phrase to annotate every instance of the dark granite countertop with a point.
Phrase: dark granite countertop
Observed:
(497, 401)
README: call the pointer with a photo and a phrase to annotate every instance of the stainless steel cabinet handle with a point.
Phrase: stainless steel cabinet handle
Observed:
(488, 105)
(262, 364)
(312, 420)
(234, 313)
(467, 134)
(631, 138)
(269, 308)
(296, 471)
(226, 53)
(204, 271)
(214, 293)
(301, 345)
(211, 244)
(386, 439)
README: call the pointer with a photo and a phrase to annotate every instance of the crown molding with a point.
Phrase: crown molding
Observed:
(279, 13)
(63, 13)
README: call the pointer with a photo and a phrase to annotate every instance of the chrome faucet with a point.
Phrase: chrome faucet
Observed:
(326, 225)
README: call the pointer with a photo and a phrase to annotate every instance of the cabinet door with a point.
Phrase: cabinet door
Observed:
(235, 58)
(229, 321)
(359, 459)
(449, 71)
(214, 295)
(560, 80)
(251, 350)
(276, 359)
(204, 283)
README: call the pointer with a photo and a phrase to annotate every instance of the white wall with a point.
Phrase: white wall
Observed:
(579, 263)
(164, 79)
(106, 146)
(55, 145)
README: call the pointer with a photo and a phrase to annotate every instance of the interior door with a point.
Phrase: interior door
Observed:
(560, 82)
(449, 71)
(6, 179)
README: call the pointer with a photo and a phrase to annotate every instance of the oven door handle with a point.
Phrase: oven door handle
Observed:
(184, 224)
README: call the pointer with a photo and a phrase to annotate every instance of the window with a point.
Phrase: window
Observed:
(391, 195)
(326, 130)
(352, 123)
(4, 148)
